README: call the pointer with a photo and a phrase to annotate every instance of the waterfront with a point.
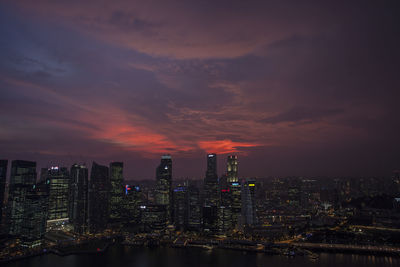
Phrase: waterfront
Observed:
(146, 257)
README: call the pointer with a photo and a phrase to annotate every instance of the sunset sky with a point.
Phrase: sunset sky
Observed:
(291, 87)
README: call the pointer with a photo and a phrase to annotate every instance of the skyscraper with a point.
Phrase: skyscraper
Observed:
(99, 197)
(211, 195)
(232, 169)
(131, 204)
(33, 227)
(117, 191)
(194, 208)
(79, 198)
(3, 174)
(180, 207)
(22, 179)
(59, 181)
(163, 194)
(153, 217)
(234, 189)
(248, 202)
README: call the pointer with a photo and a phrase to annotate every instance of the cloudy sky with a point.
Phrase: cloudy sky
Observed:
(291, 87)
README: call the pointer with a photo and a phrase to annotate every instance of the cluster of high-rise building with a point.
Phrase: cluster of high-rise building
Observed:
(67, 199)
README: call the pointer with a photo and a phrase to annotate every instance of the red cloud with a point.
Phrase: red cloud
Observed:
(223, 146)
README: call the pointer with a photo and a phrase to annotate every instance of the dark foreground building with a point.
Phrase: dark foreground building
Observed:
(211, 195)
(163, 194)
(3, 174)
(33, 227)
(99, 198)
(117, 191)
(79, 198)
(22, 179)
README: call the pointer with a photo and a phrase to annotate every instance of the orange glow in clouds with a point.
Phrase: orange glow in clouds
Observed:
(223, 146)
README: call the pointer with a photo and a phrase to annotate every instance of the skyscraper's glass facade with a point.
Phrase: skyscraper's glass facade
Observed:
(79, 198)
(163, 192)
(117, 191)
(99, 195)
(22, 179)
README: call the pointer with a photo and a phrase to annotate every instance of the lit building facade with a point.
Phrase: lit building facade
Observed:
(59, 182)
(79, 199)
(211, 196)
(131, 204)
(194, 208)
(22, 179)
(117, 191)
(248, 202)
(153, 217)
(33, 227)
(163, 192)
(235, 191)
(180, 207)
(232, 169)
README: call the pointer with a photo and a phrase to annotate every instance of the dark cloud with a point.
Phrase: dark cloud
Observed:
(290, 87)
(302, 115)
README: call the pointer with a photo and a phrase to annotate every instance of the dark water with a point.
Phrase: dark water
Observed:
(144, 257)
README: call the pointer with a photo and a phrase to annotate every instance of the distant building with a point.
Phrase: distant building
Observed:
(180, 207)
(235, 192)
(232, 169)
(79, 199)
(59, 182)
(3, 174)
(33, 227)
(99, 198)
(211, 195)
(248, 202)
(117, 191)
(224, 214)
(210, 219)
(153, 217)
(163, 192)
(22, 179)
(194, 208)
(131, 204)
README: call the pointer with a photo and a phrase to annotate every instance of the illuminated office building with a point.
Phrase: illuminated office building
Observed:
(79, 200)
(117, 191)
(153, 217)
(236, 203)
(59, 182)
(180, 207)
(132, 201)
(163, 192)
(211, 195)
(99, 198)
(194, 208)
(33, 227)
(232, 169)
(22, 179)
(248, 202)
(224, 217)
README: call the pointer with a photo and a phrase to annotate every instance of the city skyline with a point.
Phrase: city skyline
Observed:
(308, 89)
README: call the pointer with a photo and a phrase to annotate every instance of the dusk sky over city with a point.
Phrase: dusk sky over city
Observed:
(310, 88)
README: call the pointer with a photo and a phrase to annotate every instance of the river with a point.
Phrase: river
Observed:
(118, 255)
